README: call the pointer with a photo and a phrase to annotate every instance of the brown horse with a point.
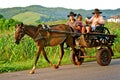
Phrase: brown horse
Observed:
(55, 35)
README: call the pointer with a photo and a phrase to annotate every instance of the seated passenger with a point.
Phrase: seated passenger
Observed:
(95, 21)
(71, 22)
(79, 24)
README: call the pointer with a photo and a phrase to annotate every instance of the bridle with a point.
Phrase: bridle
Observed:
(21, 32)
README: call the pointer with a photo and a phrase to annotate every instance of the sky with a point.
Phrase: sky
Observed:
(70, 4)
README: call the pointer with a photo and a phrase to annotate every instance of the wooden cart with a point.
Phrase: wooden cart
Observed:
(101, 39)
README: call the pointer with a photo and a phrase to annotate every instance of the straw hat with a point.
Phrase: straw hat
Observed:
(71, 14)
(96, 11)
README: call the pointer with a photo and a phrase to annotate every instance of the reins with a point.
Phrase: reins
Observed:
(40, 33)
(58, 31)
(48, 31)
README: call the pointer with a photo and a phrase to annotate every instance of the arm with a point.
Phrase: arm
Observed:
(89, 21)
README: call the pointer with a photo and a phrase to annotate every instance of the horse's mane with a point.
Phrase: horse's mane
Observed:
(55, 25)
(31, 26)
(40, 26)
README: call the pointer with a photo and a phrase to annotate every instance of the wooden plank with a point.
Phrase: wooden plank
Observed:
(87, 56)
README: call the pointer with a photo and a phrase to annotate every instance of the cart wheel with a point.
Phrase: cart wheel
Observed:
(102, 30)
(75, 58)
(105, 30)
(103, 57)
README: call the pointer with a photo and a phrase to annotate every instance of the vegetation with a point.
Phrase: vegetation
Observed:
(6, 24)
(25, 18)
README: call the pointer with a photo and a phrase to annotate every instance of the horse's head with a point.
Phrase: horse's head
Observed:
(19, 32)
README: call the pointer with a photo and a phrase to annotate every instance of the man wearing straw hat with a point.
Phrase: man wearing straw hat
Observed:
(95, 21)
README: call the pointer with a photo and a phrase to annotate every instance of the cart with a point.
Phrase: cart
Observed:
(101, 39)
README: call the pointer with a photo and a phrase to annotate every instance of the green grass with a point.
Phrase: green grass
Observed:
(56, 22)
(21, 57)
(29, 17)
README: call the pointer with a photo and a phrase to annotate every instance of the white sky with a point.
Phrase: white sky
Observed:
(73, 4)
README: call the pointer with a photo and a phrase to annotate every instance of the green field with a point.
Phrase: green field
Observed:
(27, 19)
(21, 57)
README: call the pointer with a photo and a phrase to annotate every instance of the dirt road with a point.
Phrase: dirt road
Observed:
(87, 71)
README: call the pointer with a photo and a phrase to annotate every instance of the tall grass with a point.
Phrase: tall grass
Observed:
(19, 57)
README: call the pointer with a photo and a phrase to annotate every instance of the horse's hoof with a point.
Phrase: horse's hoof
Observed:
(55, 67)
(32, 72)
(78, 63)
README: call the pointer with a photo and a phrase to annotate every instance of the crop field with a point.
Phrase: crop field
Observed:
(21, 57)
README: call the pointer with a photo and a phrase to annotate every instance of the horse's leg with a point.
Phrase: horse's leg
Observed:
(61, 55)
(46, 58)
(37, 57)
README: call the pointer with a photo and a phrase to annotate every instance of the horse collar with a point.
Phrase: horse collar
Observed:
(45, 26)
(22, 28)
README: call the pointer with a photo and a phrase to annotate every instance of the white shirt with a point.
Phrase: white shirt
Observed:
(95, 20)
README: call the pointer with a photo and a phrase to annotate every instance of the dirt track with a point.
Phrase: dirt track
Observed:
(87, 71)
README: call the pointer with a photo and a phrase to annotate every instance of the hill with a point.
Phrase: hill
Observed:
(29, 17)
(50, 14)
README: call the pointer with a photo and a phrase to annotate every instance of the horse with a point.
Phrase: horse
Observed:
(43, 37)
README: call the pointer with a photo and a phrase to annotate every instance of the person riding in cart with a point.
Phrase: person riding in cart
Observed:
(96, 21)
(79, 24)
(71, 21)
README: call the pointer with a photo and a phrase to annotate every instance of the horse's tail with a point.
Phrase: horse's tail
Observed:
(71, 30)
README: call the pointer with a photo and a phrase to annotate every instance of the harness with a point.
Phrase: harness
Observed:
(21, 32)
(45, 34)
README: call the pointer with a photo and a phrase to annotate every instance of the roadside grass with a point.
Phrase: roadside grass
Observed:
(42, 63)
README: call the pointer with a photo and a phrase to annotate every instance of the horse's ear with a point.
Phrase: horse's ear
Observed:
(40, 26)
(17, 25)
(22, 24)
